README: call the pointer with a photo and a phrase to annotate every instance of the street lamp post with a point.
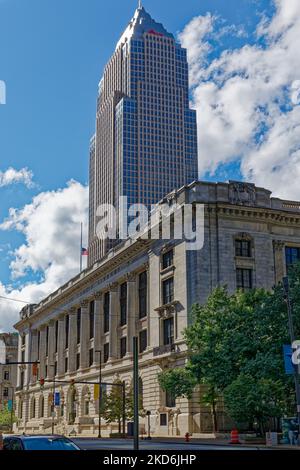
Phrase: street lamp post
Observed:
(149, 427)
(100, 391)
(286, 288)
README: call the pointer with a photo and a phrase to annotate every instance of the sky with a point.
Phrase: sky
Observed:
(244, 82)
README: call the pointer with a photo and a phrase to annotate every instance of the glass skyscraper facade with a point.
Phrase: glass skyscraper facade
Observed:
(145, 143)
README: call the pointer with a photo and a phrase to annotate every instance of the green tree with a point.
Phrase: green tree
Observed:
(235, 338)
(180, 382)
(6, 417)
(113, 408)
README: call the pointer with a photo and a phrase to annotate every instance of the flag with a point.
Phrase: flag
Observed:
(84, 251)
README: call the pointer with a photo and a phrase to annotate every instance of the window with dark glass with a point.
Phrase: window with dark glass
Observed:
(168, 290)
(123, 304)
(6, 375)
(168, 327)
(23, 340)
(78, 325)
(47, 340)
(292, 255)
(123, 347)
(167, 259)
(92, 319)
(67, 321)
(170, 400)
(143, 294)
(244, 278)
(91, 357)
(163, 419)
(106, 311)
(66, 364)
(143, 341)
(243, 248)
(55, 368)
(23, 356)
(5, 392)
(105, 352)
(77, 361)
(56, 335)
(22, 379)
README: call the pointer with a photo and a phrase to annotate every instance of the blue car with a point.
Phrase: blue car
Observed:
(38, 442)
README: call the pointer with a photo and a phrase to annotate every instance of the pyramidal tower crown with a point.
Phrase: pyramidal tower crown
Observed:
(141, 23)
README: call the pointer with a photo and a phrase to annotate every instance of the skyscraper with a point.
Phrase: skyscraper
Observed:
(145, 144)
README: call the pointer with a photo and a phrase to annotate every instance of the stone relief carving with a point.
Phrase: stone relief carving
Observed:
(242, 193)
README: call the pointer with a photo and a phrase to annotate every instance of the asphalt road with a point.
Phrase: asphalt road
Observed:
(120, 444)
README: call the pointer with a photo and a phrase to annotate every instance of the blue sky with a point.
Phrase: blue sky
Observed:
(52, 53)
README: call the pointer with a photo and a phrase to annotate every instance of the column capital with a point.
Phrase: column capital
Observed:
(98, 295)
(113, 287)
(278, 245)
(84, 304)
(131, 277)
(72, 311)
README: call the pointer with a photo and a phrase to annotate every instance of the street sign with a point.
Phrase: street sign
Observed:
(57, 399)
(288, 364)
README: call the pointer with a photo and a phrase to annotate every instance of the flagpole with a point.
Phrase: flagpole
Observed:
(81, 247)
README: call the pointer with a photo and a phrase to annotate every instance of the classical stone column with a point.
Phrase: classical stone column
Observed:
(51, 348)
(279, 260)
(113, 321)
(98, 325)
(72, 339)
(61, 345)
(34, 350)
(42, 352)
(131, 310)
(84, 334)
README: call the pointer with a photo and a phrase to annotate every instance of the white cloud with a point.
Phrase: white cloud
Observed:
(51, 227)
(12, 176)
(244, 100)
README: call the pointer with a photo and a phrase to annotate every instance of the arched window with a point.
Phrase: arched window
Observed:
(32, 408)
(41, 406)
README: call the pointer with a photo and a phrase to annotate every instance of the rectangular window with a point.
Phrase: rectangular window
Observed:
(244, 279)
(55, 368)
(163, 419)
(67, 321)
(123, 304)
(292, 255)
(168, 291)
(143, 294)
(23, 356)
(5, 392)
(92, 319)
(123, 347)
(6, 375)
(170, 400)
(78, 325)
(167, 259)
(66, 364)
(91, 357)
(168, 327)
(105, 352)
(243, 248)
(22, 379)
(143, 341)
(77, 361)
(47, 340)
(23, 340)
(106, 308)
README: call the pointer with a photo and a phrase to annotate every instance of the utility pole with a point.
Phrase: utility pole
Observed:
(286, 288)
(100, 392)
(136, 392)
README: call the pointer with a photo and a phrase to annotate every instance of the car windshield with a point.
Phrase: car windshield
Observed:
(48, 443)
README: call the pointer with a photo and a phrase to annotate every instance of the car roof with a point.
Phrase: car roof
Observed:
(36, 436)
